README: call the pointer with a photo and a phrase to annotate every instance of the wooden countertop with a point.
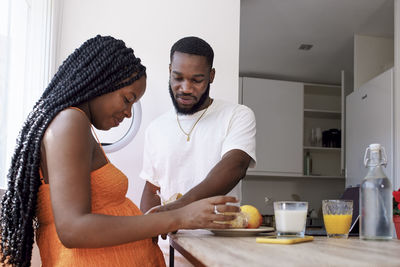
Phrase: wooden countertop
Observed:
(203, 248)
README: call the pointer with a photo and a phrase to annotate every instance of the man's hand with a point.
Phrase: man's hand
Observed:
(220, 180)
(150, 198)
(155, 209)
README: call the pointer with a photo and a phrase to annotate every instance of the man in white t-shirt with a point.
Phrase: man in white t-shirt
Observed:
(203, 146)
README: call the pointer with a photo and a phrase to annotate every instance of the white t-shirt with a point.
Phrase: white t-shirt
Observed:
(177, 165)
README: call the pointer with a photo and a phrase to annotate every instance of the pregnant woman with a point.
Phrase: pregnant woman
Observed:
(62, 185)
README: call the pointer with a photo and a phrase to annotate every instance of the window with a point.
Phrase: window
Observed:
(25, 49)
(4, 8)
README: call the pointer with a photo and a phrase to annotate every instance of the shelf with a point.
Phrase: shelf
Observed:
(269, 176)
(324, 114)
(323, 177)
(322, 85)
(322, 109)
(321, 148)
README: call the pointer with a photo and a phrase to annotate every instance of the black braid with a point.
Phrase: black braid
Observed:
(101, 65)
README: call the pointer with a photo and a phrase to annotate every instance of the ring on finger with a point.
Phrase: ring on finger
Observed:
(215, 209)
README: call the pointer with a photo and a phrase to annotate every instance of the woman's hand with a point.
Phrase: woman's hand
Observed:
(203, 213)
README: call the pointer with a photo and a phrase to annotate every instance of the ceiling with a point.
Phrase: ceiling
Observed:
(271, 32)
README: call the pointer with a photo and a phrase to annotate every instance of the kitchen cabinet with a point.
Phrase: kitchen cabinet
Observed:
(285, 114)
(323, 109)
(278, 108)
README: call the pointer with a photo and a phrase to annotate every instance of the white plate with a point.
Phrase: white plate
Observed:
(241, 231)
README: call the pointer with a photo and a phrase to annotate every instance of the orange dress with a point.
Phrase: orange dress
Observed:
(108, 186)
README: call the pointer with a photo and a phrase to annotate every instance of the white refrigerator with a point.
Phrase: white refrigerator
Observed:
(369, 119)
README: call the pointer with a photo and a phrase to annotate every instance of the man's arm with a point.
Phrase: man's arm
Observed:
(220, 180)
(239, 145)
(149, 197)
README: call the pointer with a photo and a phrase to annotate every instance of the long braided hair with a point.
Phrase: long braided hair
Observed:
(99, 66)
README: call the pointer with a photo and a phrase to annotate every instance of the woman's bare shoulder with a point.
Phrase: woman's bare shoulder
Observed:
(66, 125)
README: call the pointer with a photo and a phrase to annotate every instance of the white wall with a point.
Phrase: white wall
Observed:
(372, 56)
(150, 28)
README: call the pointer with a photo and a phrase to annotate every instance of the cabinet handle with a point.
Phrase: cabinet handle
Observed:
(364, 97)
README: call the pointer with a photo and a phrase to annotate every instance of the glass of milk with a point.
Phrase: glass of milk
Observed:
(290, 218)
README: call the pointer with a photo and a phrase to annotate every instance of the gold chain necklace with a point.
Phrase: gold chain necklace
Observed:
(194, 125)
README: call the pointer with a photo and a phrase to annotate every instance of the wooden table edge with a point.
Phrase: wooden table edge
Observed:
(192, 259)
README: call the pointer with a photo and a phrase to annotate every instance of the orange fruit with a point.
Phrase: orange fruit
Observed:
(254, 218)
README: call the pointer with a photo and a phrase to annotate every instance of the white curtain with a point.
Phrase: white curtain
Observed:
(26, 45)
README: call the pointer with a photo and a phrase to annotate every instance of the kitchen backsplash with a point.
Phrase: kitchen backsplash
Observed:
(255, 190)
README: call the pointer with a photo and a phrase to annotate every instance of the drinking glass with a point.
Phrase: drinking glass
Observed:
(318, 136)
(313, 137)
(337, 217)
(290, 218)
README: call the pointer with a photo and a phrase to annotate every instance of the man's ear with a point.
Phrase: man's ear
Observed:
(212, 75)
(169, 67)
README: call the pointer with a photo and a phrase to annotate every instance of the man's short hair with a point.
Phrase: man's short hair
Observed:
(195, 46)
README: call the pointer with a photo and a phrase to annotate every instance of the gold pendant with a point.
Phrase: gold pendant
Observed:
(194, 125)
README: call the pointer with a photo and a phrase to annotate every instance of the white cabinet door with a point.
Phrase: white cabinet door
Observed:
(369, 119)
(278, 107)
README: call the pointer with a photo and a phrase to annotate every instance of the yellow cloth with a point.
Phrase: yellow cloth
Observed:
(109, 186)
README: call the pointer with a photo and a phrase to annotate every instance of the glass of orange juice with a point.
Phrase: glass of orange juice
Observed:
(337, 217)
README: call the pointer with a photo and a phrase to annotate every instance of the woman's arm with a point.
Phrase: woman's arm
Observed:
(69, 145)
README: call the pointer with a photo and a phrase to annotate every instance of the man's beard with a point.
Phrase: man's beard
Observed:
(195, 107)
